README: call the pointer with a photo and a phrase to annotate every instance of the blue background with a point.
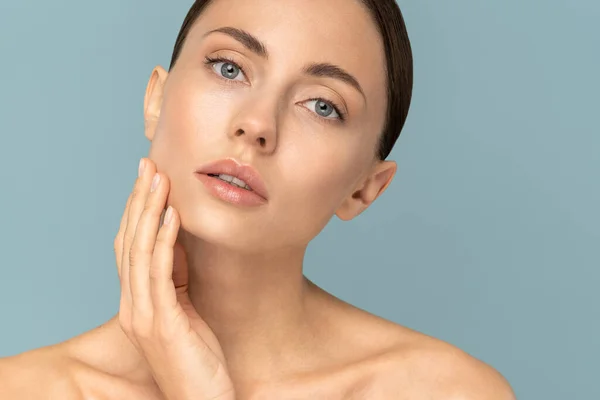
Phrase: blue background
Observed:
(487, 239)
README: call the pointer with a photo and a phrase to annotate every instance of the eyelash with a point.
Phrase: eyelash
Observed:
(209, 61)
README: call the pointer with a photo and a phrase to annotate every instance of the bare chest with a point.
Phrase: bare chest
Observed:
(332, 387)
(349, 384)
(357, 381)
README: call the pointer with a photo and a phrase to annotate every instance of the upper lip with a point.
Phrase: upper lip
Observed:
(230, 166)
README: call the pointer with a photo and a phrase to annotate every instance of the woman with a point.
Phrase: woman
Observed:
(274, 117)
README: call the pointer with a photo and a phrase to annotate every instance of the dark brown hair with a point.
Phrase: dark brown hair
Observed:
(399, 63)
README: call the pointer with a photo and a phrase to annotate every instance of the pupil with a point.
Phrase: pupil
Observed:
(229, 70)
(323, 108)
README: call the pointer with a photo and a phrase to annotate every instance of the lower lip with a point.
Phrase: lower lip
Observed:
(229, 193)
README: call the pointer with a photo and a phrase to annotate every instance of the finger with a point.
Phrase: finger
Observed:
(140, 192)
(162, 286)
(143, 245)
(118, 245)
(180, 267)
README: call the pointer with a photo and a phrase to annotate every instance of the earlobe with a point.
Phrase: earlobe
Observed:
(153, 100)
(374, 185)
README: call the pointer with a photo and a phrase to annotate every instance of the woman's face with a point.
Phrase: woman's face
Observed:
(316, 157)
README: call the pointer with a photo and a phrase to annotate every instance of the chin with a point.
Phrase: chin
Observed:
(225, 225)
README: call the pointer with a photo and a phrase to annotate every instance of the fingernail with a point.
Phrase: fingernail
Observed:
(168, 215)
(155, 182)
(141, 168)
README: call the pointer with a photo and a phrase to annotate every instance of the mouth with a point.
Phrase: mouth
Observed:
(233, 182)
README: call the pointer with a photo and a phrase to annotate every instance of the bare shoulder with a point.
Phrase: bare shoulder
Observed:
(434, 369)
(401, 363)
(93, 365)
(37, 374)
(56, 373)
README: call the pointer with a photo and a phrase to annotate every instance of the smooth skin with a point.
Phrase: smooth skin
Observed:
(216, 299)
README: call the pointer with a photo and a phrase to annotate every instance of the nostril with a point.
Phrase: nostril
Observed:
(262, 141)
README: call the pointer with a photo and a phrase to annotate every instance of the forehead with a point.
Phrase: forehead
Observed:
(297, 32)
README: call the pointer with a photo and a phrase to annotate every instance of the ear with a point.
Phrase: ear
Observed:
(153, 100)
(373, 186)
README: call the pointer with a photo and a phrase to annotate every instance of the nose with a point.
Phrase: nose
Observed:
(256, 125)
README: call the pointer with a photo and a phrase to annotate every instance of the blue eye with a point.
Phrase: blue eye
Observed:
(325, 109)
(228, 69)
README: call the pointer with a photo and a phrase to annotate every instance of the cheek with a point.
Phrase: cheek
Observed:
(192, 121)
(328, 166)
(316, 184)
(321, 165)
(185, 138)
(330, 185)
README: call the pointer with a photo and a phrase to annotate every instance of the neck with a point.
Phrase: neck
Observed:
(256, 304)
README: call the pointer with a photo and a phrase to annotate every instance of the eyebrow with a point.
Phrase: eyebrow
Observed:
(248, 40)
(326, 70)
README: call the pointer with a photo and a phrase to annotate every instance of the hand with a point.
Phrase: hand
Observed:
(155, 311)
